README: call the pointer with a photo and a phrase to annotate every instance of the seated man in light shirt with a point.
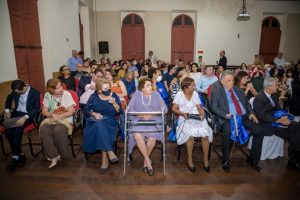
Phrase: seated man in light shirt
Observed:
(205, 81)
(86, 86)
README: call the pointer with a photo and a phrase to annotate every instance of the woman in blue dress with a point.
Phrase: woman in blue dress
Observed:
(102, 126)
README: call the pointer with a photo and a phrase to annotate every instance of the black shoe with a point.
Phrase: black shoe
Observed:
(102, 170)
(294, 165)
(150, 171)
(206, 169)
(226, 166)
(145, 169)
(192, 169)
(253, 163)
(22, 160)
(12, 165)
(114, 160)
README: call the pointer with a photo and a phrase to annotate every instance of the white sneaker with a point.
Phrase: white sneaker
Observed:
(54, 161)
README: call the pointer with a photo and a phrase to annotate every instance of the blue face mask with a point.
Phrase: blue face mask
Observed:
(165, 71)
(106, 93)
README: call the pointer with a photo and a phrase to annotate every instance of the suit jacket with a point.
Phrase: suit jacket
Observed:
(82, 83)
(264, 110)
(32, 105)
(219, 103)
(223, 62)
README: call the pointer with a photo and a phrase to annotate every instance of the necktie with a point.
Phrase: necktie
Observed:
(272, 102)
(235, 102)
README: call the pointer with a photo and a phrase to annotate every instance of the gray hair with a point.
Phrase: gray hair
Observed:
(268, 82)
(226, 73)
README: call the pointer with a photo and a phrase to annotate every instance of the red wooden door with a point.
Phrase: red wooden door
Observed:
(269, 39)
(27, 43)
(81, 34)
(133, 37)
(183, 34)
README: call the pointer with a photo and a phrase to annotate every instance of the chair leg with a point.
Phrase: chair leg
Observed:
(31, 145)
(178, 152)
(86, 156)
(74, 153)
(2, 147)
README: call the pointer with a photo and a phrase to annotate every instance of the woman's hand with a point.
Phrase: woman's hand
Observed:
(97, 115)
(55, 117)
(111, 100)
(147, 117)
(184, 115)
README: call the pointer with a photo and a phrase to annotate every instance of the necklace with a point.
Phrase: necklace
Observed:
(58, 102)
(146, 105)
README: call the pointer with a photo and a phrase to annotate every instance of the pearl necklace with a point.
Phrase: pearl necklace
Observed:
(146, 105)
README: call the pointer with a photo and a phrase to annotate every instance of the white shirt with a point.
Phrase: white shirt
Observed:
(270, 98)
(280, 62)
(23, 101)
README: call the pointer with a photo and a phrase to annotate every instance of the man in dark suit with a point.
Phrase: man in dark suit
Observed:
(227, 100)
(265, 104)
(223, 60)
(27, 105)
(85, 81)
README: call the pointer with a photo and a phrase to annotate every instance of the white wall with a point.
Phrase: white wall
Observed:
(217, 27)
(109, 29)
(92, 17)
(157, 35)
(85, 20)
(59, 29)
(291, 48)
(7, 55)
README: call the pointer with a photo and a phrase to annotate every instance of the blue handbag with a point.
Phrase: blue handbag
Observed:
(282, 113)
(239, 134)
(172, 134)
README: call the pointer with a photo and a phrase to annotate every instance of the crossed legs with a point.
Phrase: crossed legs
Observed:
(145, 148)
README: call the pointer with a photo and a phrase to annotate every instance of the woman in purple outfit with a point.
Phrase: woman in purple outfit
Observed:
(145, 100)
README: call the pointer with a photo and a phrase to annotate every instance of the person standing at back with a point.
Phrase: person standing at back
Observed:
(74, 61)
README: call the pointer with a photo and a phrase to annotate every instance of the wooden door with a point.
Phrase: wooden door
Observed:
(27, 43)
(269, 39)
(81, 34)
(183, 35)
(133, 37)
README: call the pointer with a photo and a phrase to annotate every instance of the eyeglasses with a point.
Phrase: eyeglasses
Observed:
(66, 69)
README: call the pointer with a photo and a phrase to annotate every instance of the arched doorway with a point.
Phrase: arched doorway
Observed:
(133, 37)
(183, 33)
(269, 39)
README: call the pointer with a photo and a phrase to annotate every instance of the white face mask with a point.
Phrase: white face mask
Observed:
(134, 62)
(159, 78)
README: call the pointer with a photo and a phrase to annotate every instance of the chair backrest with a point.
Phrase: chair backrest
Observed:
(75, 98)
(77, 83)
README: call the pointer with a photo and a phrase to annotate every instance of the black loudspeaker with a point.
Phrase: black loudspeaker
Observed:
(103, 47)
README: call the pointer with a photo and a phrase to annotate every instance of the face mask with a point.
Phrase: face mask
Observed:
(165, 71)
(106, 93)
(159, 78)
(134, 63)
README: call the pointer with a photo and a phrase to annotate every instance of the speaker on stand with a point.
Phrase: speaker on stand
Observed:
(103, 48)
